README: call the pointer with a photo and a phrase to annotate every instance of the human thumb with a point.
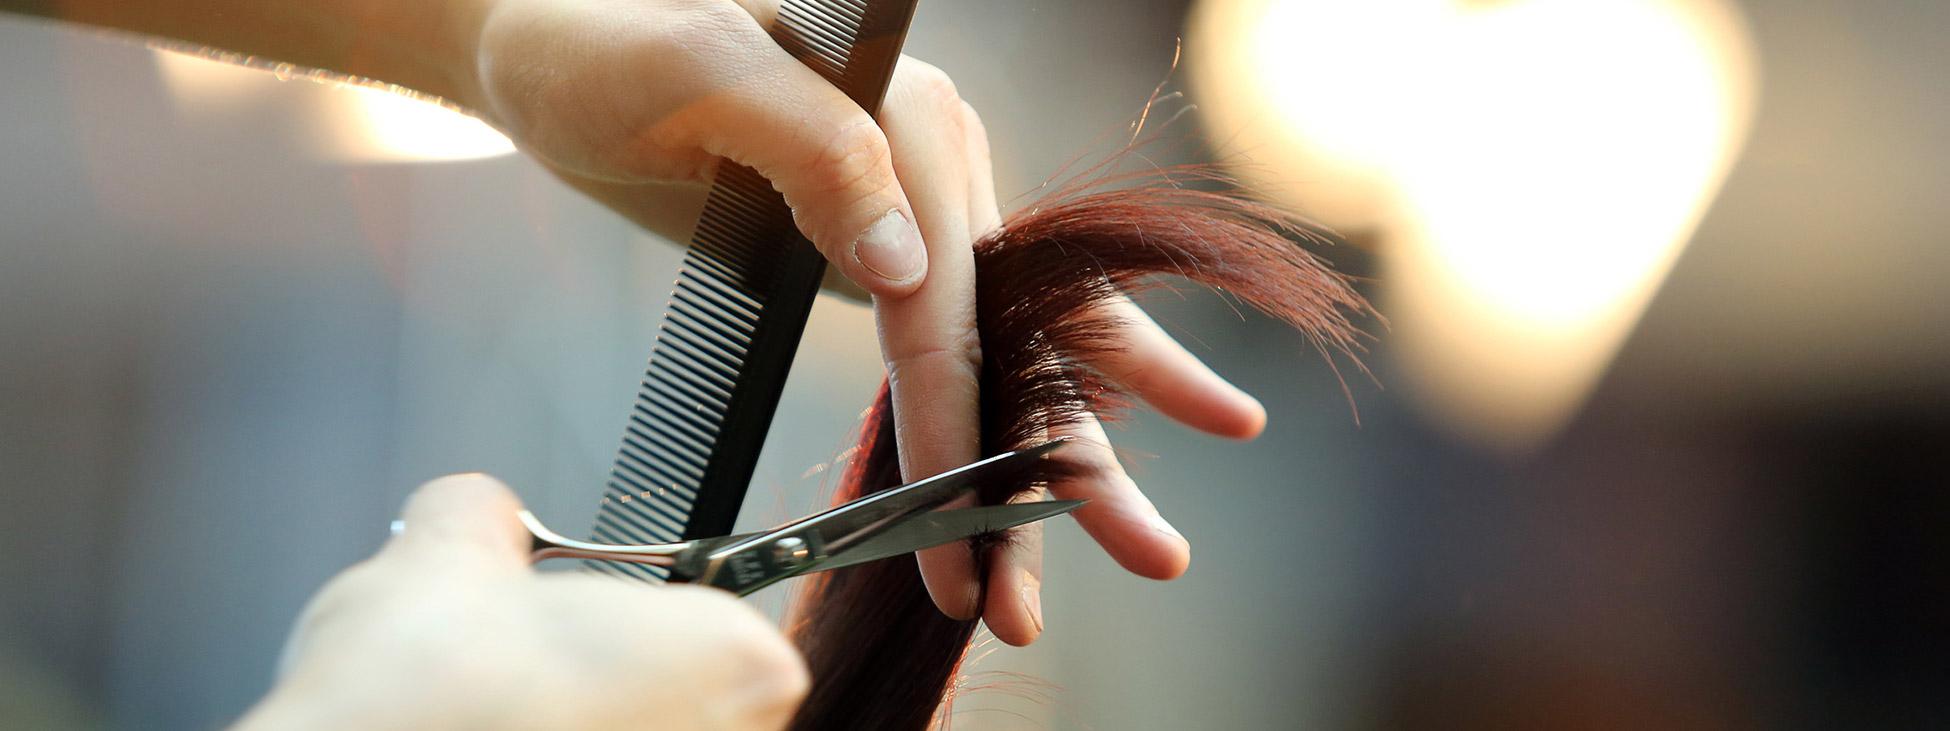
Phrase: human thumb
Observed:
(468, 517)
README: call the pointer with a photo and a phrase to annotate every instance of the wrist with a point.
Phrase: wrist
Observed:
(428, 47)
(425, 47)
(457, 36)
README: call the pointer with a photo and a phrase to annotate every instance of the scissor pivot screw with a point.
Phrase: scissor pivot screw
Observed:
(790, 552)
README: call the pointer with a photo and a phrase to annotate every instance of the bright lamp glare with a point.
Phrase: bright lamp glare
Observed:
(1533, 168)
(358, 124)
(388, 127)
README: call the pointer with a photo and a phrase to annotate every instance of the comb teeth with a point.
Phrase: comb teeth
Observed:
(735, 316)
(822, 37)
(744, 247)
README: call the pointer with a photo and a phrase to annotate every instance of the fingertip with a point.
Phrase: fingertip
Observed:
(470, 509)
(1172, 553)
(441, 499)
(1166, 375)
(1159, 550)
(889, 256)
(1013, 605)
(1219, 407)
(1249, 420)
(948, 572)
(1165, 561)
(1172, 562)
(1143, 543)
(1013, 608)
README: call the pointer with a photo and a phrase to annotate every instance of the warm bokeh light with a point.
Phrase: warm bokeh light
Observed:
(359, 124)
(389, 127)
(1531, 168)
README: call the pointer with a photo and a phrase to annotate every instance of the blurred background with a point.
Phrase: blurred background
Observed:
(1657, 435)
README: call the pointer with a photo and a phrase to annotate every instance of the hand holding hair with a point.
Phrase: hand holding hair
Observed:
(622, 98)
(1057, 357)
(616, 94)
(635, 101)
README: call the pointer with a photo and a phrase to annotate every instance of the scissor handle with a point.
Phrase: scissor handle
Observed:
(546, 544)
(748, 562)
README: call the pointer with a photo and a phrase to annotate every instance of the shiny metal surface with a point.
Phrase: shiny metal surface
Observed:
(749, 565)
(879, 526)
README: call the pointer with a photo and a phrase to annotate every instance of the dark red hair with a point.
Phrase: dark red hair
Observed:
(881, 655)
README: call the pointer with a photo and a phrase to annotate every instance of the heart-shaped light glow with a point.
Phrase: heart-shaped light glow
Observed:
(1531, 168)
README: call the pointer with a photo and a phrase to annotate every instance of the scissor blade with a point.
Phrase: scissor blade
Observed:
(946, 526)
(795, 548)
(861, 519)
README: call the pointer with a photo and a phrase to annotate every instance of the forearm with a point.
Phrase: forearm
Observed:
(424, 45)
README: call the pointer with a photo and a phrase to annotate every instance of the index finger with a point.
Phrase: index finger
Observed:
(928, 338)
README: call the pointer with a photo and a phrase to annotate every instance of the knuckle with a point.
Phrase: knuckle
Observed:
(930, 85)
(657, 160)
(703, 31)
(961, 352)
(971, 121)
(1093, 456)
(720, 19)
(975, 138)
(765, 12)
(855, 160)
(933, 96)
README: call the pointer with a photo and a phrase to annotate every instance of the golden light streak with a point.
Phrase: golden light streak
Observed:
(357, 123)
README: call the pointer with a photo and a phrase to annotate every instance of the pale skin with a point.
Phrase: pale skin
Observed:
(448, 627)
(635, 102)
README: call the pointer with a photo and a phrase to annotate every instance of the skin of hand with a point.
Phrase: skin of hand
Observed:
(620, 98)
(635, 102)
(448, 627)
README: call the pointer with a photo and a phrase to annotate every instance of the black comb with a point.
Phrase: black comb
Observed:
(734, 320)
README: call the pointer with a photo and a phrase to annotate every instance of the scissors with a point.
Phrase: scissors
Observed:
(885, 524)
